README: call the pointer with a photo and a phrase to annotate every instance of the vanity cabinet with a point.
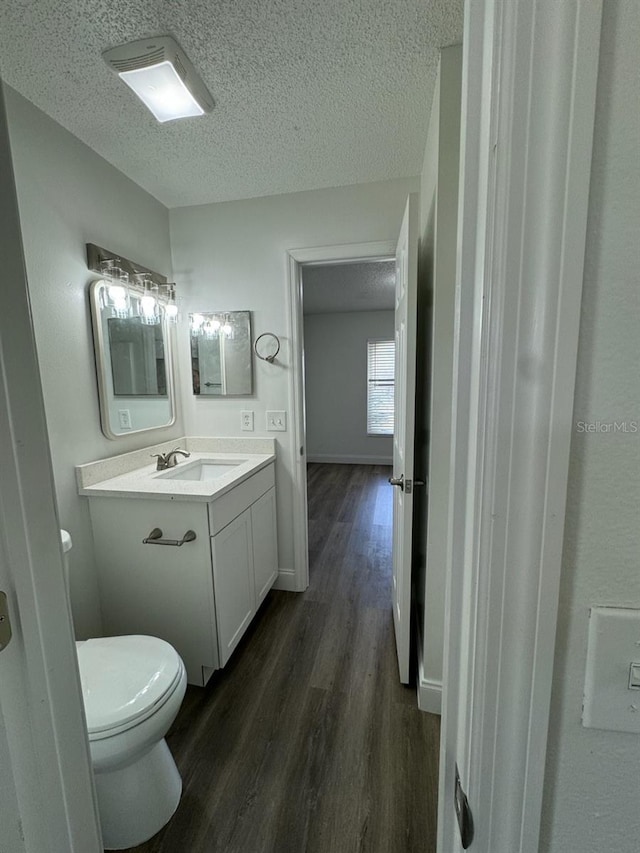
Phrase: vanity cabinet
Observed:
(202, 595)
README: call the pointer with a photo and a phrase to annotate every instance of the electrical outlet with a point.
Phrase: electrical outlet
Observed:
(246, 421)
(124, 418)
(276, 421)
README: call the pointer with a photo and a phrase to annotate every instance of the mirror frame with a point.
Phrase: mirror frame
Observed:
(101, 356)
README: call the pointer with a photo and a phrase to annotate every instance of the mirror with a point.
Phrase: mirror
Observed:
(221, 359)
(133, 363)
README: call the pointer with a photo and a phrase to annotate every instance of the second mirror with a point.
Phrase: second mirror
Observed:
(221, 358)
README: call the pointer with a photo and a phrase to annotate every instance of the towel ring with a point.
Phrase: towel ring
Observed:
(270, 358)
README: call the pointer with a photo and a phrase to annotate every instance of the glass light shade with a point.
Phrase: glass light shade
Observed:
(162, 91)
(211, 328)
(119, 299)
(196, 323)
(171, 310)
(148, 308)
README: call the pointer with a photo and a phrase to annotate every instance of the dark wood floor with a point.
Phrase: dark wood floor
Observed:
(306, 742)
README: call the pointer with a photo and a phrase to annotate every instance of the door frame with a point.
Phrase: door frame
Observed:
(382, 250)
(524, 191)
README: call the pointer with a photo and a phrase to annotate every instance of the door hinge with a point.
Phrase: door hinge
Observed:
(5, 622)
(463, 813)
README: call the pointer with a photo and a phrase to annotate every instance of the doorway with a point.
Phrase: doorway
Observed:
(404, 253)
(299, 260)
(348, 344)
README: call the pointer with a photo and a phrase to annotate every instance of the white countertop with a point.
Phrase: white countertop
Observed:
(147, 482)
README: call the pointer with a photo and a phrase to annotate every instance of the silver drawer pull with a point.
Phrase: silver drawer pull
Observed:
(155, 538)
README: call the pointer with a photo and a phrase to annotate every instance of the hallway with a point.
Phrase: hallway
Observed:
(306, 742)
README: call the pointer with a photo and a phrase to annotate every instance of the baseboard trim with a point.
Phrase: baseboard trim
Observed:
(429, 695)
(350, 460)
(287, 581)
(429, 689)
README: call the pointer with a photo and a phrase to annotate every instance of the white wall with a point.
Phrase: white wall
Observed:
(69, 196)
(232, 256)
(335, 366)
(436, 321)
(592, 786)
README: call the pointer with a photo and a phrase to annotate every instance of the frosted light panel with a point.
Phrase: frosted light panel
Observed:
(161, 89)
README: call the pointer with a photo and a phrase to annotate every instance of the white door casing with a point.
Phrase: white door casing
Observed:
(525, 169)
(403, 430)
(296, 258)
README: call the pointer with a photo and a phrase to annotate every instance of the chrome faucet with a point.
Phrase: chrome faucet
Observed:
(168, 460)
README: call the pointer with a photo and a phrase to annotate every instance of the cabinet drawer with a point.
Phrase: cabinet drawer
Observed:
(223, 510)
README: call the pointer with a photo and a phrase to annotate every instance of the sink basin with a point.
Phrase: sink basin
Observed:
(201, 470)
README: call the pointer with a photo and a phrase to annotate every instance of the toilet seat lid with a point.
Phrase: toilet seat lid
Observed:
(123, 678)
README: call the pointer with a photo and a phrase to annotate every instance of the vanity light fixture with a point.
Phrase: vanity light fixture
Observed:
(161, 75)
(132, 291)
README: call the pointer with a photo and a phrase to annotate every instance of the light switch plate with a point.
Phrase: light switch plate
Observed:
(276, 421)
(614, 645)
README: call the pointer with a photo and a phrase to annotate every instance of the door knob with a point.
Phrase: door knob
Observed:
(397, 481)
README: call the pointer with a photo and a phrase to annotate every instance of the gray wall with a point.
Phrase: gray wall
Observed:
(233, 255)
(335, 361)
(592, 786)
(68, 196)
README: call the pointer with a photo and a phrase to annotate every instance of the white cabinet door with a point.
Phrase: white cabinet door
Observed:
(265, 544)
(232, 553)
(161, 590)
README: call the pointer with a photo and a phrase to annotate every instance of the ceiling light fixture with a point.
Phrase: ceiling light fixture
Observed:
(161, 75)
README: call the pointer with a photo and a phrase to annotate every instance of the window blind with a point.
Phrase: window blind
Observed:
(381, 357)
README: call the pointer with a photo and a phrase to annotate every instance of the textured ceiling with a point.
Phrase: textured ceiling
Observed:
(309, 93)
(333, 288)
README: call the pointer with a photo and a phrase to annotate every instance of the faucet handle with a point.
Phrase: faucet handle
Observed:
(162, 461)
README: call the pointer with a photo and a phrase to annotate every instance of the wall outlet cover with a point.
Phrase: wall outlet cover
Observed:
(614, 645)
(246, 421)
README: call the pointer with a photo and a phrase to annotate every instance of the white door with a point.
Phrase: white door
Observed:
(46, 786)
(405, 395)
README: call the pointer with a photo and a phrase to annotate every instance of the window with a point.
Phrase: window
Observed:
(381, 356)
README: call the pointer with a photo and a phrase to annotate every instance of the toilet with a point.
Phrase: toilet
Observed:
(132, 688)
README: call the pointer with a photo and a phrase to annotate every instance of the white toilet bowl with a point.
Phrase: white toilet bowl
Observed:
(132, 687)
